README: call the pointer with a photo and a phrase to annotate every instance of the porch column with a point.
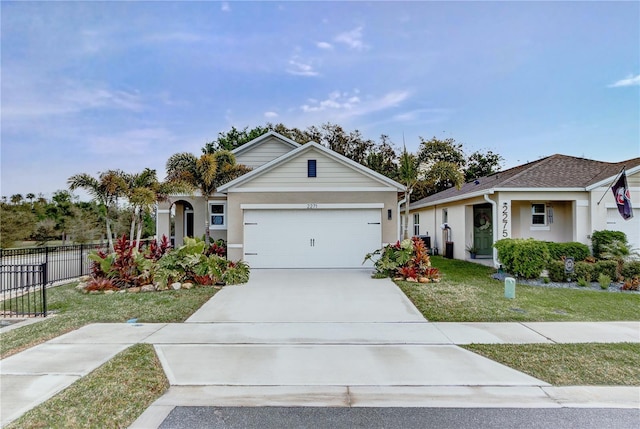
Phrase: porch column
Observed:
(163, 221)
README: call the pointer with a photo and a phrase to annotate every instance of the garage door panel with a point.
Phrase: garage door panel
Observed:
(310, 238)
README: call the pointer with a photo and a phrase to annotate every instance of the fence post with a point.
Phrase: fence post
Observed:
(81, 259)
(43, 267)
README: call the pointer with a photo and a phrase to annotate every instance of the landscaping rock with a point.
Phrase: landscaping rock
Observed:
(133, 289)
(81, 286)
(187, 285)
(109, 291)
(85, 279)
(147, 288)
(176, 285)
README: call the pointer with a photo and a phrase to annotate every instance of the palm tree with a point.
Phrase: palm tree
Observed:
(204, 174)
(411, 171)
(106, 189)
(16, 199)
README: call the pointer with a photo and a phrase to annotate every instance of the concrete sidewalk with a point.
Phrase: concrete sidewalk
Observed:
(315, 338)
(31, 377)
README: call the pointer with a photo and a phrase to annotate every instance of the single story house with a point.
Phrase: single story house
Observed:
(302, 206)
(558, 198)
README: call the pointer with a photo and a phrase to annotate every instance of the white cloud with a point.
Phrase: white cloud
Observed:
(226, 7)
(26, 101)
(134, 142)
(351, 104)
(353, 39)
(324, 45)
(299, 68)
(270, 115)
(423, 115)
(628, 81)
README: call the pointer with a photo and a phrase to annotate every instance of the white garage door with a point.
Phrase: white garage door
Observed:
(631, 227)
(310, 238)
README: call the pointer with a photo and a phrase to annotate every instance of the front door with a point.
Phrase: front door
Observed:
(188, 223)
(483, 229)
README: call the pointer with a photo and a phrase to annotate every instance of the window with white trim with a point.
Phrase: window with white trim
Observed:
(217, 215)
(416, 224)
(538, 214)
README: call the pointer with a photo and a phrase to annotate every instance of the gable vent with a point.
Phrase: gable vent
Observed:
(311, 168)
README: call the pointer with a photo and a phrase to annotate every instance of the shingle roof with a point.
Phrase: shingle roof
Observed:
(555, 171)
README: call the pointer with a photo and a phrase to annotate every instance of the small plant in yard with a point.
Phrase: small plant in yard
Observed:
(604, 281)
(408, 259)
(631, 284)
(582, 282)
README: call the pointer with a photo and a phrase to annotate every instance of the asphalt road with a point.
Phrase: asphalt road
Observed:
(399, 418)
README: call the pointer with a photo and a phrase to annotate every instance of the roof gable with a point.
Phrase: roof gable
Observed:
(265, 138)
(289, 171)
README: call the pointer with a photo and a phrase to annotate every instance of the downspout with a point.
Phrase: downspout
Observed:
(398, 229)
(495, 230)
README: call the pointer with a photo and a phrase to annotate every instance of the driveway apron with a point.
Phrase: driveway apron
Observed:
(332, 335)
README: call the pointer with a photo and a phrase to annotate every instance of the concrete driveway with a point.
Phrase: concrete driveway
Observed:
(322, 337)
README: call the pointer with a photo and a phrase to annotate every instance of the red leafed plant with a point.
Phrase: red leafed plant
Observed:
(100, 284)
(157, 249)
(408, 272)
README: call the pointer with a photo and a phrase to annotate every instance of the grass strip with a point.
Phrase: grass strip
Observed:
(74, 310)
(467, 293)
(112, 396)
(585, 364)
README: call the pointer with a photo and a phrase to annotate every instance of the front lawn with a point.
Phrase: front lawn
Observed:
(467, 293)
(74, 309)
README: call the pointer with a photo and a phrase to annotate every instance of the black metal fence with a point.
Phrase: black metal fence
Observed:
(62, 262)
(24, 290)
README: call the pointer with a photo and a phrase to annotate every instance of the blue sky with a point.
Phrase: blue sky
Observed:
(90, 86)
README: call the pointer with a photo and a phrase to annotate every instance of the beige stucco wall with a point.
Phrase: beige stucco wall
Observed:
(236, 218)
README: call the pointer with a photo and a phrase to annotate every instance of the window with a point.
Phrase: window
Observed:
(445, 216)
(311, 168)
(416, 224)
(538, 214)
(217, 214)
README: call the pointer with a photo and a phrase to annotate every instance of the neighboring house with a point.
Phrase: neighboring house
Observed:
(556, 198)
(302, 206)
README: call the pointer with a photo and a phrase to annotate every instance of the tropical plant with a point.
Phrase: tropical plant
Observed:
(205, 173)
(408, 172)
(106, 190)
(408, 259)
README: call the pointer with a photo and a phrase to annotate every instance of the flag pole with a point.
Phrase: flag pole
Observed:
(614, 181)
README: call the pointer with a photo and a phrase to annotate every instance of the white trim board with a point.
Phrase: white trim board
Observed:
(312, 206)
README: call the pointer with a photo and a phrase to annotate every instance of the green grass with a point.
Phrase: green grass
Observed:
(74, 310)
(569, 364)
(467, 293)
(112, 396)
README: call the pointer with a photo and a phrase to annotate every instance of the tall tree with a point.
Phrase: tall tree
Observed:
(106, 190)
(408, 173)
(481, 164)
(205, 173)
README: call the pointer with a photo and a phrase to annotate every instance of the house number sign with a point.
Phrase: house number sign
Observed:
(505, 220)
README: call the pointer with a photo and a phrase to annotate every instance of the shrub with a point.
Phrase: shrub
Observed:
(600, 239)
(604, 280)
(631, 284)
(607, 268)
(408, 259)
(523, 257)
(582, 282)
(584, 270)
(556, 271)
(575, 250)
(631, 269)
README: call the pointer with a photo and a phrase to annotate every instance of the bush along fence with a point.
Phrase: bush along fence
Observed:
(528, 258)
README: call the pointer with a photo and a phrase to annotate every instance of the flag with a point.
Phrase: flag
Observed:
(623, 197)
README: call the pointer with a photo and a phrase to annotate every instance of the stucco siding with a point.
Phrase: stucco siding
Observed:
(263, 153)
(235, 226)
(293, 174)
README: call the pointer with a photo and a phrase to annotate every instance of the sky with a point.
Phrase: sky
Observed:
(91, 86)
